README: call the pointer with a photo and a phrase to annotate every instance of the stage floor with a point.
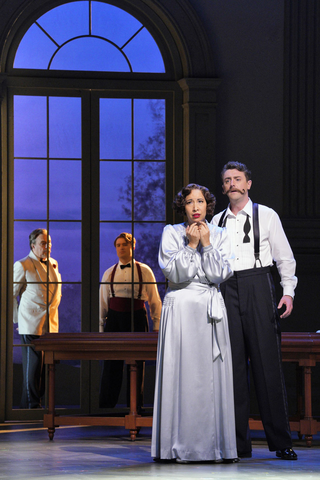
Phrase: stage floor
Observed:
(86, 453)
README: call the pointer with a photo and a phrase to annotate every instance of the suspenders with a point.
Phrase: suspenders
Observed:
(256, 232)
(139, 274)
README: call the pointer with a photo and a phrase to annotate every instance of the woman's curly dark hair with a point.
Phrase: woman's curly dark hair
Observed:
(180, 199)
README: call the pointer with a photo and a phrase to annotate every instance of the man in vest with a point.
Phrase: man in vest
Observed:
(115, 312)
(258, 239)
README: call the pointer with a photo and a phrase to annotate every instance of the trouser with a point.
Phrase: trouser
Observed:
(33, 387)
(255, 334)
(112, 370)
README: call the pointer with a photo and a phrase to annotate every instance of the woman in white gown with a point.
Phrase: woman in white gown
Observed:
(193, 415)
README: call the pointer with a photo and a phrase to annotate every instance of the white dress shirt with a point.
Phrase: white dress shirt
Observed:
(149, 292)
(274, 245)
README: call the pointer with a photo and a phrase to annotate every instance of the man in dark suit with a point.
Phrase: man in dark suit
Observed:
(258, 239)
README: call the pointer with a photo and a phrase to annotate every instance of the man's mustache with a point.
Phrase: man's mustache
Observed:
(234, 190)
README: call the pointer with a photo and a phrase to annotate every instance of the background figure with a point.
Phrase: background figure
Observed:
(37, 283)
(115, 313)
(254, 324)
(193, 415)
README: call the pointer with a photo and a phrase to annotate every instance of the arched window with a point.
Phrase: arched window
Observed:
(89, 35)
(88, 160)
(93, 143)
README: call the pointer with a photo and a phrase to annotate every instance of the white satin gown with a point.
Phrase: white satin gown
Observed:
(193, 414)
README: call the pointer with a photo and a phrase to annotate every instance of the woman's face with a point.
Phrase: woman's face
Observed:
(195, 207)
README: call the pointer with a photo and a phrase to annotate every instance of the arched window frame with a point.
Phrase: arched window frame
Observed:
(189, 80)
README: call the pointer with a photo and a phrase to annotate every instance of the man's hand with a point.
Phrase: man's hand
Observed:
(288, 302)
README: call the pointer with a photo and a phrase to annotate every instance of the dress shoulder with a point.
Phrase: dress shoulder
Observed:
(176, 227)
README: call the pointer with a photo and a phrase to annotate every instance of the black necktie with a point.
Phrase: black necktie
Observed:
(124, 266)
(246, 229)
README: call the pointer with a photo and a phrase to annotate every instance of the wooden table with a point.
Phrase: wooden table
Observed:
(301, 348)
(129, 347)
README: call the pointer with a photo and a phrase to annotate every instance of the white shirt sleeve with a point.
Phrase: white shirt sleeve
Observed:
(18, 288)
(283, 255)
(274, 245)
(104, 299)
(153, 297)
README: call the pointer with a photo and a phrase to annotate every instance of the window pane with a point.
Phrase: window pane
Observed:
(66, 249)
(113, 23)
(144, 53)
(22, 231)
(30, 189)
(70, 309)
(108, 234)
(115, 128)
(65, 176)
(149, 191)
(149, 129)
(65, 127)
(148, 236)
(30, 126)
(115, 190)
(90, 54)
(35, 50)
(17, 372)
(68, 384)
(67, 21)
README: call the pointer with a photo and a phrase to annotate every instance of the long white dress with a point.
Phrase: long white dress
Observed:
(193, 415)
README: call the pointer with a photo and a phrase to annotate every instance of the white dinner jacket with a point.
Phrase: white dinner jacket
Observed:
(36, 300)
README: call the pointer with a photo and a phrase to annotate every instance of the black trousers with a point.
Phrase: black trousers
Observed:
(33, 387)
(254, 327)
(112, 370)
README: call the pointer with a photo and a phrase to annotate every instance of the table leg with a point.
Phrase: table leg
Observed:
(309, 426)
(299, 396)
(130, 420)
(51, 406)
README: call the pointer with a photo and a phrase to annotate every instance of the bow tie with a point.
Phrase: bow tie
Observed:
(43, 261)
(246, 230)
(124, 266)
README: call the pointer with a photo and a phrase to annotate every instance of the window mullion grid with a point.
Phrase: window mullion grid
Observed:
(48, 206)
(132, 212)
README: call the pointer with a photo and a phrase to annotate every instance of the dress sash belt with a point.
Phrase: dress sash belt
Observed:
(215, 309)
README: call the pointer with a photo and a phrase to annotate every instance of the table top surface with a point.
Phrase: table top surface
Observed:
(114, 340)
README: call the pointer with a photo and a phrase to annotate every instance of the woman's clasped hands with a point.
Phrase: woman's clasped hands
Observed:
(198, 233)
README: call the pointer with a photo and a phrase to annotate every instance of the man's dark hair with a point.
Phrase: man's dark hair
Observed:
(241, 167)
(35, 234)
(180, 199)
(127, 237)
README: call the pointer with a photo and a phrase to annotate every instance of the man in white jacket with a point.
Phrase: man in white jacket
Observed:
(37, 284)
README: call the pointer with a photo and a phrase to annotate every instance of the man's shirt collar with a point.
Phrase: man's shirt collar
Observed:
(247, 209)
